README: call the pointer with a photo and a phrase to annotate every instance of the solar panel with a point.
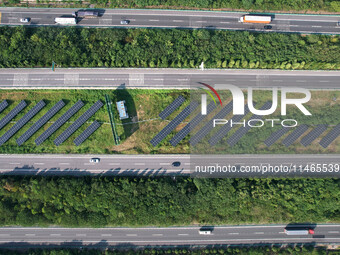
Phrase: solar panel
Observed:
(330, 137)
(42, 121)
(17, 126)
(61, 121)
(87, 132)
(243, 130)
(4, 121)
(209, 126)
(171, 107)
(312, 135)
(3, 105)
(290, 139)
(78, 123)
(276, 136)
(226, 128)
(174, 123)
(191, 125)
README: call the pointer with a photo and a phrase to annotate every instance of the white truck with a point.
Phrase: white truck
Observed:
(66, 20)
(255, 19)
(298, 231)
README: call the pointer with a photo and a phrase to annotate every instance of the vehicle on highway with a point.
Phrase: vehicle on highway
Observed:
(176, 164)
(86, 14)
(94, 160)
(298, 231)
(338, 24)
(204, 232)
(25, 20)
(66, 20)
(124, 22)
(255, 19)
(267, 27)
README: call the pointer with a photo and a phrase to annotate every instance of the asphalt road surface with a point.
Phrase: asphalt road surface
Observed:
(265, 234)
(146, 165)
(82, 78)
(327, 24)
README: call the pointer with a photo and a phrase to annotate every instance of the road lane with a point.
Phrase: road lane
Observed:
(178, 19)
(252, 234)
(145, 165)
(100, 78)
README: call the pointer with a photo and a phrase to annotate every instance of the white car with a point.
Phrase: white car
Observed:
(124, 22)
(94, 160)
(25, 20)
(204, 232)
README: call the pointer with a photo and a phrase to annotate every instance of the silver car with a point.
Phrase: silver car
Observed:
(94, 160)
(25, 20)
(124, 22)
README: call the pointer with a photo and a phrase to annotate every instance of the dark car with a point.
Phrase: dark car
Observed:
(176, 163)
(267, 27)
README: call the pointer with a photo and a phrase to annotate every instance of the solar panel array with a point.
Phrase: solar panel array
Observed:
(290, 139)
(87, 132)
(4, 121)
(312, 135)
(171, 107)
(174, 123)
(78, 123)
(17, 126)
(3, 105)
(276, 136)
(244, 129)
(191, 125)
(226, 128)
(42, 121)
(209, 126)
(330, 137)
(61, 121)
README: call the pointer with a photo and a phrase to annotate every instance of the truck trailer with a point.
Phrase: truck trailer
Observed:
(66, 20)
(86, 14)
(255, 19)
(299, 231)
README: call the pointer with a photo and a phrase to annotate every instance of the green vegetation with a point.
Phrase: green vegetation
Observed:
(285, 5)
(96, 47)
(232, 250)
(119, 201)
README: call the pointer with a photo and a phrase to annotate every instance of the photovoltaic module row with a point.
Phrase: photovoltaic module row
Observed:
(171, 107)
(330, 137)
(276, 136)
(42, 121)
(17, 126)
(312, 135)
(4, 121)
(209, 126)
(78, 123)
(174, 123)
(3, 105)
(89, 131)
(191, 125)
(61, 121)
(222, 132)
(290, 139)
(244, 129)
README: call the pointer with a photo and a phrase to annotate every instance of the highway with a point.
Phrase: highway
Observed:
(159, 165)
(176, 19)
(104, 237)
(108, 78)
